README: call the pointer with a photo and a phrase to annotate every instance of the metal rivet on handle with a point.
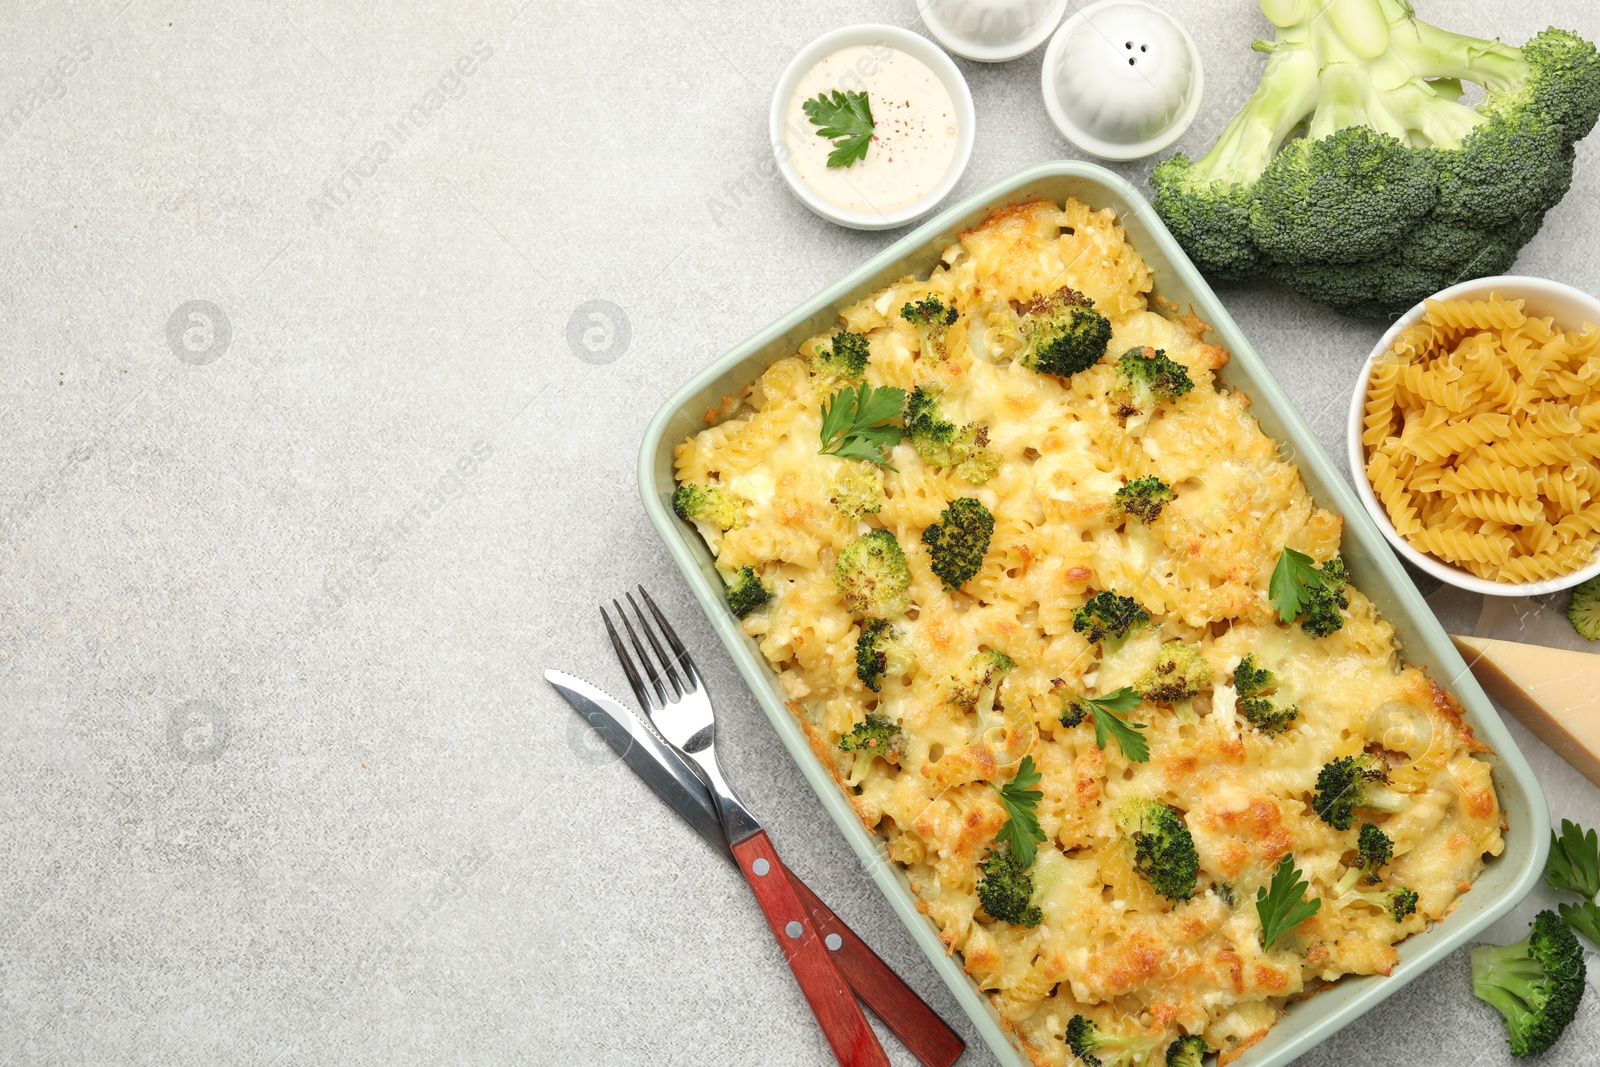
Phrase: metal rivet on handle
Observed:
(761, 866)
(794, 929)
(833, 941)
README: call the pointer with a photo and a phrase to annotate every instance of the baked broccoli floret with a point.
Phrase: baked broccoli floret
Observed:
(857, 491)
(844, 363)
(1397, 902)
(1251, 681)
(933, 321)
(1322, 613)
(880, 653)
(873, 576)
(709, 504)
(1352, 782)
(1147, 377)
(746, 593)
(876, 734)
(1006, 889)
(979, 680)
(1163, 849)
(1099, 1049)
(1063, 334)
(1143, 498)
(1109, 618)
(1250, 678)
(940, 442)
(1536, 983)
(958, 541)
(1374, 850)
(1177, 676)
(1187, 1051)
(1583, 611)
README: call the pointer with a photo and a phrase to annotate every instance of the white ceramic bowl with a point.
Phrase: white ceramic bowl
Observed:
(917, 47)
(991, 31)
(1570, 308)
(1122, 80)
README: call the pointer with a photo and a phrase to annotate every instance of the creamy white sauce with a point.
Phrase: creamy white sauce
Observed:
(914, 138)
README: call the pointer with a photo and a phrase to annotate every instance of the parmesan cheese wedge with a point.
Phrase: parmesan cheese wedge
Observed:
(1553, 691)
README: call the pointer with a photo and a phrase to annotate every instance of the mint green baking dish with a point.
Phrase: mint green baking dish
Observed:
(1507, 879)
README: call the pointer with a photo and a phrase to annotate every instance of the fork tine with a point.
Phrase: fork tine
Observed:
(626, 660)
(678, 687)
(672, 639)
(644, 662)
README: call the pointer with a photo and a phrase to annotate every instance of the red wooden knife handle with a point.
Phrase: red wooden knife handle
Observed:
(846, 1028)
(906, 1015)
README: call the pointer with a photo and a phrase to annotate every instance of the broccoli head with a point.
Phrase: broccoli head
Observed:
(709, 504)
(1352, 782)
(1178, 675)
(1163, 848)
(876, 734)
(857, 491)
(958, 541)
(981, 676)
(940, 442)
(1063, 334)
(1357, 175)
(873, 576)
(1147, 377)
(1583, 610)
(1187, 1051)
(933, 321)
(880, 653)
(1096, 1048)
(1107, 616)
(1252, 681)
(1535, 983)
(1006, 889)
(843, 363)
(746, 593)
(1143, 498)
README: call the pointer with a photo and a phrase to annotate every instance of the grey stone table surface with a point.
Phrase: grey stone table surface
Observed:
(312, 456)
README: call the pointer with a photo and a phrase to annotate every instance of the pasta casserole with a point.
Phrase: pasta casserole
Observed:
(1075, 639)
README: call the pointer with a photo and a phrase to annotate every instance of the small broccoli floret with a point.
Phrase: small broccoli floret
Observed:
(857, 491)
(1536, 983)
(1163, 849)
(1398, 902)
(1072, 711)
(1251, 679)
(1374, 850)
(709, 504)
(1178, 675)
(746, 593)
(1006, 889)
(1148, 377)
(933, 321)
(1352, 782)
(1322, 613)
(1143, 498)
(1109, 617)
(1583, 611)
(958, 541)
(980, 678)
(1063, 334)
(876, 734)
(1096, 1048)
(844, 363)
(940, 442)
(1187, 1051)
(873, 576)
(880, 653)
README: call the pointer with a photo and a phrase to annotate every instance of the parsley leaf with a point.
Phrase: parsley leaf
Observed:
(1020, 799)
(1283, 905)
(1108, 714)
(855, 423)
(846, 120)
(1293, 579)
(1574, 862)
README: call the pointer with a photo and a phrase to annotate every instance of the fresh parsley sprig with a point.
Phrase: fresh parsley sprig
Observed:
(1293, 579)
(846, 120)
(1282, 905)
(1574, 865)
(1108, 712)
(855, 423)
(1021, 801)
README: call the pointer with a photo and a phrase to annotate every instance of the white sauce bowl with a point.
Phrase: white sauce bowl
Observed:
(923, 51)
(991, 31)
(1570, 308)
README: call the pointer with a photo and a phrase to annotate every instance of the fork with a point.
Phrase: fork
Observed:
(681, 710)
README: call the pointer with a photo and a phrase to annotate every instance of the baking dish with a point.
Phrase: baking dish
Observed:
(1506, 880)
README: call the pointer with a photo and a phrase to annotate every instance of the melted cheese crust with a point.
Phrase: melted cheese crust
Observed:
(1109, 947)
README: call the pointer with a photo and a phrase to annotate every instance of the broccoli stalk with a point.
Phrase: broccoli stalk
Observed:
(1143, 498)
(1352, 782)
(873, 577)
(880, 653)
(1355, 175)
(1163, 848)
(1187, 1051)
(1006, 889)
(932, 321)
(1535, 983)
(746, 593)
(1583, 610)
(940, 442)
(1096, 1048)
(1063, 334)
(958, 541)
